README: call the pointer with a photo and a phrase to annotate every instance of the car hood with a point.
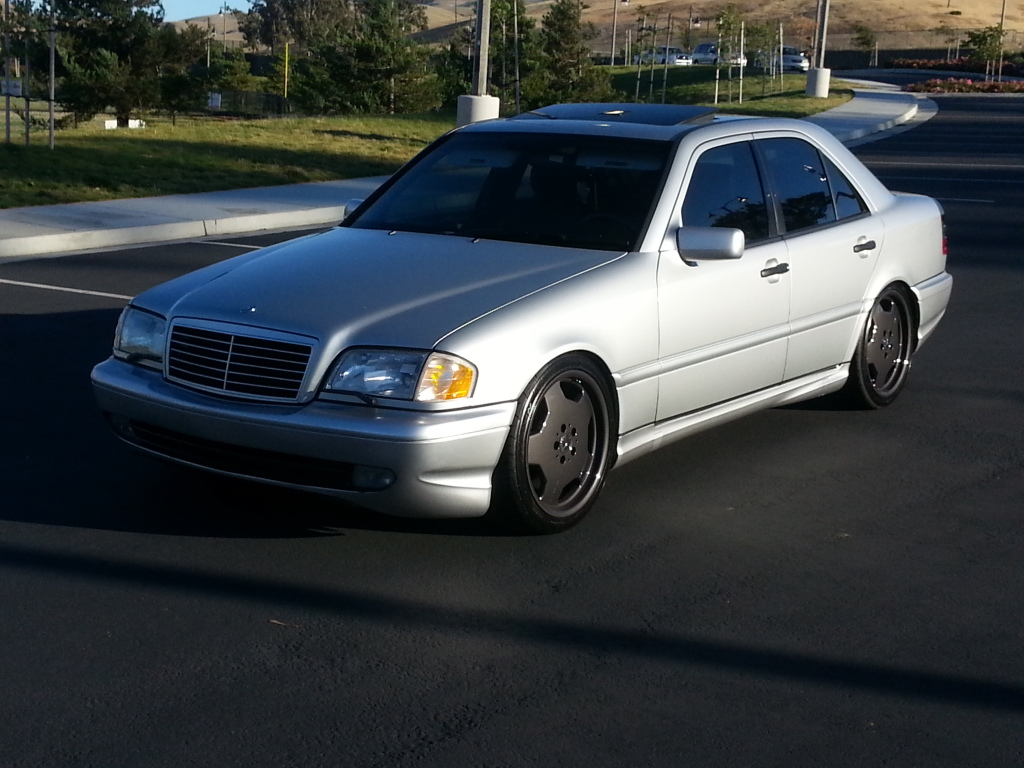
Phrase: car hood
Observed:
(368, 287)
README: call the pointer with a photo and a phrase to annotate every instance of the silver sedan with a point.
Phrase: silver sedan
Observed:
(531, 302)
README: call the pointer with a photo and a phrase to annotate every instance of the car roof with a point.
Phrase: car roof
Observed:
(648, 114)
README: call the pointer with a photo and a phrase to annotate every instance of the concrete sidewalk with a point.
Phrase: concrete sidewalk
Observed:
(59, 229)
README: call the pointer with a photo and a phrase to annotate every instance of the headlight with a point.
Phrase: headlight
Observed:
(140, 337)
(402, 374)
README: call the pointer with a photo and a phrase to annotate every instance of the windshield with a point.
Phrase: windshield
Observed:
(551, 189)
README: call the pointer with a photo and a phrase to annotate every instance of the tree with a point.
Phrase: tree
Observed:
(114, 53)
(865, 40)
(764, 38)
(566, 73)
(728, 22)
(950, 37)
(371, 66)
(513, 57)
(986, 45)
(308, 24)
(453, 69)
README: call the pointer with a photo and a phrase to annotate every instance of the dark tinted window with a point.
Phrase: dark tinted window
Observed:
(556, 189)
(799, 179)
(725, 191)
(848, 202)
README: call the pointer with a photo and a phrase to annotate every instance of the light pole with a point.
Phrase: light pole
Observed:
(615, 25)
(1002, 22)
(818, 77)
(476, 106)
(692, 24)
(614, 28)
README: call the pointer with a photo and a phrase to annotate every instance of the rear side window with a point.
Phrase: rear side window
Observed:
(800, 183)
(848, 202)
(725, 190)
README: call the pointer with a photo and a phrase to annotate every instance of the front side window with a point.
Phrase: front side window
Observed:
(550, 189)
(725, 191)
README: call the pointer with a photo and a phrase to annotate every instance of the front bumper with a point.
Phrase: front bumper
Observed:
(439, 462)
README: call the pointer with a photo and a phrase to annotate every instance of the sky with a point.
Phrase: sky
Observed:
(176, 10)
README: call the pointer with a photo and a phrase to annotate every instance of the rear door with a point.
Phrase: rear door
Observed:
(832, 244)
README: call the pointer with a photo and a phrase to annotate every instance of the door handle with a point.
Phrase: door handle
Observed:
(778, 269)
(868, 246)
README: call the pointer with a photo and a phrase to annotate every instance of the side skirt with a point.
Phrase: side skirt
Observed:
(649, 438)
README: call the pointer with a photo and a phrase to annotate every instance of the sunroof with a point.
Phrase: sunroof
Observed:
(651, 114)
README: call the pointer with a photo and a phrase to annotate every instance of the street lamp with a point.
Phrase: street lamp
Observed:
(692, 24)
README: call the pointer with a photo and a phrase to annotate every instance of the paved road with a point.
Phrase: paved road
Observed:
(806, 587)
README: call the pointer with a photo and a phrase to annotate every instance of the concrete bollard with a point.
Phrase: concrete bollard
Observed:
(473, 109)
(818, 82)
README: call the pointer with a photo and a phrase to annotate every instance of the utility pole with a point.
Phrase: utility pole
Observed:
(615, 26)
(478, 105)
(53, 65)
(7, 71)
(818, 77)
(28, 73)
(1002, 31)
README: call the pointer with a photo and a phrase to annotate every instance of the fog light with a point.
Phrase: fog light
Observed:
(120, 424)
(372, 478)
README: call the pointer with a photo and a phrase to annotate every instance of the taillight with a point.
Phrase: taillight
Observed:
(945, 242)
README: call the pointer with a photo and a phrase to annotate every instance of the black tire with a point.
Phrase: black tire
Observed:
(881, 360)
(560, 448)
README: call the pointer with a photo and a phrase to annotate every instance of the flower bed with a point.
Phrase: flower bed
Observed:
(963, 85)
(1010, 68)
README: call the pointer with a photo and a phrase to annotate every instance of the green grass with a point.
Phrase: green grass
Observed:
(209, 154)
(206, 154)
(696, 85)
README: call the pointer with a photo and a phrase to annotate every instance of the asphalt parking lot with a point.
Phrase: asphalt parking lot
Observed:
(808, 586)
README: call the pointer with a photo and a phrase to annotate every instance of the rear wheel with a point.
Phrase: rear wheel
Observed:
(559, 448)
(881, 361)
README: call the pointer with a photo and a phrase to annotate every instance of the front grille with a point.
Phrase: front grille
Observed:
(234, 364)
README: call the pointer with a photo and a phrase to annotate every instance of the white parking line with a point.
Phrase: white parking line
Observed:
(229, 245)
(61, 288)
(948, 180)
(932, 164)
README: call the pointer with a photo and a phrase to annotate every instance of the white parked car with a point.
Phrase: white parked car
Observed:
(673, 56)
(794, 59)
(708, 53)
(532, 301)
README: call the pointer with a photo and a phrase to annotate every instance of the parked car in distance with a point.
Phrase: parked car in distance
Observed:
(707, 53)
(794, 59)
(532, 301)
(671, 55)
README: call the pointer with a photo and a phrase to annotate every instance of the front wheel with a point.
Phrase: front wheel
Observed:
(559, 448)
(881, 360)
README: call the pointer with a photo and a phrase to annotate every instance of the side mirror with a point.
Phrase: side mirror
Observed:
(710, 243)
(351, 205)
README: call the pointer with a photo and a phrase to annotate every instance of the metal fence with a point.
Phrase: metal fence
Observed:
(251, 104)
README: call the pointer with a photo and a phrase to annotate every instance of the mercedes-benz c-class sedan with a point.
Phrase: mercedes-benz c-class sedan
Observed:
(532, 301)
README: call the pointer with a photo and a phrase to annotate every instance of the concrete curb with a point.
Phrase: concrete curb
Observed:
(79, 227)
(861, 114)
(87, 240)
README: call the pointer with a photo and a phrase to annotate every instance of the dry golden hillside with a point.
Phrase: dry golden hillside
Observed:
(898, 24)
